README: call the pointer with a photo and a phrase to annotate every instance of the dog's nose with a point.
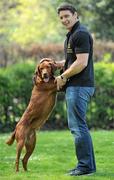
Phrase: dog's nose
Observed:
(45, 74)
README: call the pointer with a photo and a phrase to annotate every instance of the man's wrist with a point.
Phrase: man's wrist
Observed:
(63, 78)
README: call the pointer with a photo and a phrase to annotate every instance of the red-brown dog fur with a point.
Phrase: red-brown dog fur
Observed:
(38, 111)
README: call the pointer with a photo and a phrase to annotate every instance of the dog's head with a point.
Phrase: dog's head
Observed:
(45, 70)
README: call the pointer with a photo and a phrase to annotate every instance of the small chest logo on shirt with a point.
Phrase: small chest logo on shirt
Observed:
(69, 50)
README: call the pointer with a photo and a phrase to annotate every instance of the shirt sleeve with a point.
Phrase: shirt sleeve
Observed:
(81, 42)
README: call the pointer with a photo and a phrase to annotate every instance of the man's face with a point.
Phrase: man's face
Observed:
(67, 18)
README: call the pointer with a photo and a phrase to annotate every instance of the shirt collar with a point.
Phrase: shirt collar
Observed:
(75, 26)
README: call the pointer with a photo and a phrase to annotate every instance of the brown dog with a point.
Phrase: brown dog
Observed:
(38, 111)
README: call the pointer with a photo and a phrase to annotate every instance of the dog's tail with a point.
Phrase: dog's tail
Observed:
(11, 139)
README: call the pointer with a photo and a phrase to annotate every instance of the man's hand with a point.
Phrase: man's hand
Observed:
(61, 81)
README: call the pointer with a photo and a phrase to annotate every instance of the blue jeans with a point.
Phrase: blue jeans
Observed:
(77, 99)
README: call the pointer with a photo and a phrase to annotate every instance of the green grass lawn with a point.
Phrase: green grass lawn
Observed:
(54, 155)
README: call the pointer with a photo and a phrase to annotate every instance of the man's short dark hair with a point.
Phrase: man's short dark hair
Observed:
(66, 6)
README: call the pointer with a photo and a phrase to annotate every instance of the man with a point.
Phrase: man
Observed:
(78, 80)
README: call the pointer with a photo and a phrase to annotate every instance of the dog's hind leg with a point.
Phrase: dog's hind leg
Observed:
(20, 145)
(29, 145)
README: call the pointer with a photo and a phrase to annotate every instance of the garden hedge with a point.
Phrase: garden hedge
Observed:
(15, 91)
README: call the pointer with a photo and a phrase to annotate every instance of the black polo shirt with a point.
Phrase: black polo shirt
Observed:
(78, 41)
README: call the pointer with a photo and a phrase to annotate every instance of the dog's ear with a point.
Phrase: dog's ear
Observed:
(34, 78)
(37, 76)
(37, 71)
(53, 66)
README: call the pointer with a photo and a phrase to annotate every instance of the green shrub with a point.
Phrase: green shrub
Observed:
(101, 109)
(15, 91)
(5, 98)
(15, 87)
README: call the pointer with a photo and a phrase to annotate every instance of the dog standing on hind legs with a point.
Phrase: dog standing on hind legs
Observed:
(29, 146)
(38, 110)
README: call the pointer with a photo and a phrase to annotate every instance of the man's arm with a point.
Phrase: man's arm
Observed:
(60, 64)
(80, 63)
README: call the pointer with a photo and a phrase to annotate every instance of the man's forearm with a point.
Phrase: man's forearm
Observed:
(78, 65)
(60, 64)
(75, 68)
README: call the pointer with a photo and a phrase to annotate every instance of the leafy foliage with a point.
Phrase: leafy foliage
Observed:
(24, 21)
(14, 96)
(102, 105)
(15, 90)
(103, 21)
(97, 15)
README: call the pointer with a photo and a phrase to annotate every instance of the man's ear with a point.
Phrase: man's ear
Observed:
(76, 14)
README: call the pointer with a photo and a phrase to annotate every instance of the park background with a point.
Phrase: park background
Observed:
(31, 30)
